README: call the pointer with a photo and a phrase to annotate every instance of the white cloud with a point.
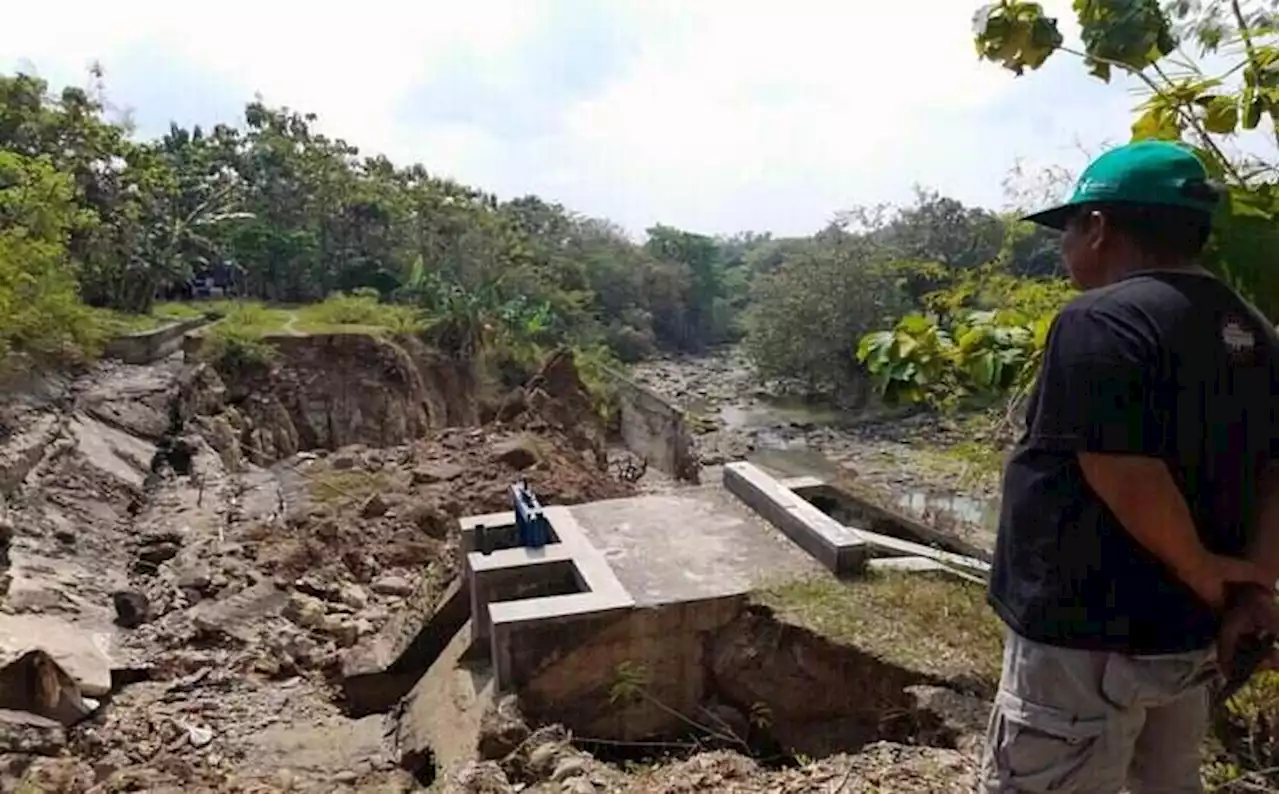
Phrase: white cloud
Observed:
(711, 115)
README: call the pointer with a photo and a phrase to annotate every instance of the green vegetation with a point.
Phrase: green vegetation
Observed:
(980, 335)
(941, 625)
(96, 218)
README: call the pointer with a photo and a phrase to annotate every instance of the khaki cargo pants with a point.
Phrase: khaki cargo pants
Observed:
(1090, 722)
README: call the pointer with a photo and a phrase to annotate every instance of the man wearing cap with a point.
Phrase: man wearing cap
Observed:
(1141, 494)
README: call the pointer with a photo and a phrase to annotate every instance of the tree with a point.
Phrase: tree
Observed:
(1185, 101)
(42, 315)
(807, 315)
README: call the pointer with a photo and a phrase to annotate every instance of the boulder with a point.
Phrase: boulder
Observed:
(518, 453)
(132, 608)
(80, 653)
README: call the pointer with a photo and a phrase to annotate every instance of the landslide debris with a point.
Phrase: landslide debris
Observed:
(190, 552)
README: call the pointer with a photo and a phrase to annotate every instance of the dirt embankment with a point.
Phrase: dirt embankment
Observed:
(195, 550)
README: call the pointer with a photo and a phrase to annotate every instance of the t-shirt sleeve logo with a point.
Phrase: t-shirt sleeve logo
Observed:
(1240, 341)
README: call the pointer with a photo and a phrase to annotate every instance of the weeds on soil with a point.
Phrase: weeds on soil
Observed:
(930, 623)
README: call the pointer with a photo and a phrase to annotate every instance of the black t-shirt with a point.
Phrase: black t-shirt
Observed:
(1171, 365)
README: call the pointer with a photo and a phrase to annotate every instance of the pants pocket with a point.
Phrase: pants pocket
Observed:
(1043, 749)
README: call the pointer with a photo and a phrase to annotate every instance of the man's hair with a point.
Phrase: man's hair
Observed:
(1160, 230)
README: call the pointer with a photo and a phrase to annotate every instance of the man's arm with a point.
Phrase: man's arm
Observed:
(1101, 398)
(1264, 548)
(1143, 496)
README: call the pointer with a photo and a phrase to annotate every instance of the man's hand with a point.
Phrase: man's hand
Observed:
(1251, 612)
(1211, 576)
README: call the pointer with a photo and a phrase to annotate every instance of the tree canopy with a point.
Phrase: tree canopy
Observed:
(297, 216)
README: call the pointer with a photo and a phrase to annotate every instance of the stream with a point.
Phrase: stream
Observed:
(891, 456)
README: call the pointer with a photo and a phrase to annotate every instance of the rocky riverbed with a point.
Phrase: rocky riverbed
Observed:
(896, 457)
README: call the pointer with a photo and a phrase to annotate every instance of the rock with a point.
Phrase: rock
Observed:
(342, 462)
(518, 453)
(199, 736)
(569, 766)
(314, 586)
(373, 507)
(235, 615)
(543, 758)
(392, 585)
(27, 733)
(502, 728)
(304, 610)
(37, 684)
(437, 472)
(76, 651)
(578, 785)
(354, 596)
(156, 553)
(132, 608)
(194, 577)
(482, 777)
(327, 529)
(345, 631)
(429, 518)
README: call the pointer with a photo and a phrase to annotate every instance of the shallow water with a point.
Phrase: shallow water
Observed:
(951, 507)
(795, 461)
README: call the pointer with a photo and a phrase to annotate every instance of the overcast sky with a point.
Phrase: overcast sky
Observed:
(710, 115)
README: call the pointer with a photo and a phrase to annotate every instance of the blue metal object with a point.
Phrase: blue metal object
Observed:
(532, 528)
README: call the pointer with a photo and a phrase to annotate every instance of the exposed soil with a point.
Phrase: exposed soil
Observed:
(189, 548)
(194, 551)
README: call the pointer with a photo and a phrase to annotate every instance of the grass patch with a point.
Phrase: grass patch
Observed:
(355, 484)
(251, 319)
(930, 623)
(116, 323)
(358, 312)
(174, 311)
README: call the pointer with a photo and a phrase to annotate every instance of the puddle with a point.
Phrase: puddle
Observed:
(795, 460)
(774, 411)
(951, 507)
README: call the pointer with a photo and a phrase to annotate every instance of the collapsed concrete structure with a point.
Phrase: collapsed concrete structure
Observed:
(624, 597)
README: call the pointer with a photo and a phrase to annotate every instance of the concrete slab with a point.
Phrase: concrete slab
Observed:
(700, 543)
(841, 549)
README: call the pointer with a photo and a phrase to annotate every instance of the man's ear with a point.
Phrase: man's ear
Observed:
(1096, 228)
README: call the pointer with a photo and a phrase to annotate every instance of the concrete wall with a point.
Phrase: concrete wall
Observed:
(149, 346)
(655, 429)
(565, 671)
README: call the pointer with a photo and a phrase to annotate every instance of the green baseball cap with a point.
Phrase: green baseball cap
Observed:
(1147, 172)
